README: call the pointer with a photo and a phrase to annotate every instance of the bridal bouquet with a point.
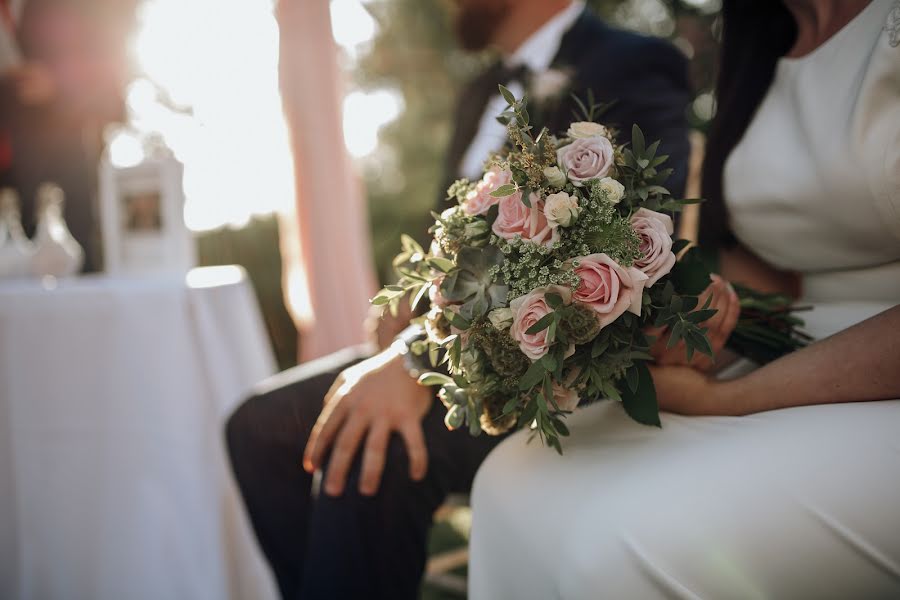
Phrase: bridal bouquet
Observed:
(544, 276)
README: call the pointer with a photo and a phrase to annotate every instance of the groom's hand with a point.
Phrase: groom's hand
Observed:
(368, 402)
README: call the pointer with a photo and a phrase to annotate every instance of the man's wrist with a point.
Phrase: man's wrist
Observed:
(413, 364)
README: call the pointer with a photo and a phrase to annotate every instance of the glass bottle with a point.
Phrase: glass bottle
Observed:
(15, 248)
(56, 251)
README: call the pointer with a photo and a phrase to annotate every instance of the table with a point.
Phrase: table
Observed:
(114, 481)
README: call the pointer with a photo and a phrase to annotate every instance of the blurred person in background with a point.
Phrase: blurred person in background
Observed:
(61, 82)
(388, 459)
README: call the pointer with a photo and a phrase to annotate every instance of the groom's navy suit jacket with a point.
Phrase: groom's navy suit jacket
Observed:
(642, 79)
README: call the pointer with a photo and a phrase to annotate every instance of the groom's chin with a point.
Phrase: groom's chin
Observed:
(477, 21)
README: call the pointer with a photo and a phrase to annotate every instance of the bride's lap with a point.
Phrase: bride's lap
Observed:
(801, 502)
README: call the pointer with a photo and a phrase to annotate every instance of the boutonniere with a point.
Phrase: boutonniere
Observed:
(549, 86)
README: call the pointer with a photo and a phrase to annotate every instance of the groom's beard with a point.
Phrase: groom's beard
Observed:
(476, 23)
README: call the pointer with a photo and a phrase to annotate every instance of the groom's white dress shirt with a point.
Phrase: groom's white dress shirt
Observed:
(535, 54)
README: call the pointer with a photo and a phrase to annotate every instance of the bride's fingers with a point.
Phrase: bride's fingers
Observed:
(732, 314)
(719, 300)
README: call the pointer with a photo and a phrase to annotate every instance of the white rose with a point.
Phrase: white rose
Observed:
(501, 318)
(555, 176)
(561, 209)
(613, 190)
(586, 129)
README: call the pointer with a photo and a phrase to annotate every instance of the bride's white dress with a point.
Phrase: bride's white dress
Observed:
(794, 503)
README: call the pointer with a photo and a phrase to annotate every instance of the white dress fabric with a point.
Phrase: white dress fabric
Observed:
(794, 503)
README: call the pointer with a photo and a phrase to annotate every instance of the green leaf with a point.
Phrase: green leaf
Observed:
(549, 362)
(528, 413)
(667, 293)
(431, 378)
(433, 355)
(688, 303)
(699, 316)
(637, 140)
(440, 263)
(542, 324)
(532, 376)
(474, 421)
(414, 302)
(691, 273)
(641, 405)
(600, 346)
(675, 334)
(507, 95)
(507, 189)
(631, 378)
(701, 342)
(510, 405)
(680, 245)
(585, 113)
(456, 320)
(410, 244)
(553, 300)
(526, 197)
(611, 392)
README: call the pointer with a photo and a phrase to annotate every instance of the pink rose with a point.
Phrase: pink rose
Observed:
(655, 230)
(608, 288)
(528, 310)
(514, 218)
(586, 158)
(479, 200)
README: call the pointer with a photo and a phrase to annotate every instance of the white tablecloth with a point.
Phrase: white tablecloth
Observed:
(114, 482)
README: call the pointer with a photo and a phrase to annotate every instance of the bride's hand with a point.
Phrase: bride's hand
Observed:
(687, 391)
(720, 326)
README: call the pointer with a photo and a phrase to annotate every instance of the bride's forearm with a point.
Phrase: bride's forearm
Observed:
(859, 363)
(739, 265)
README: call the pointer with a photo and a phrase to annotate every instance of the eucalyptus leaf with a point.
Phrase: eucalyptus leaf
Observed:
(507, 189)
(641, 405)
(431, 378)
(542, 324)
(637, 140)
(532, 376)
